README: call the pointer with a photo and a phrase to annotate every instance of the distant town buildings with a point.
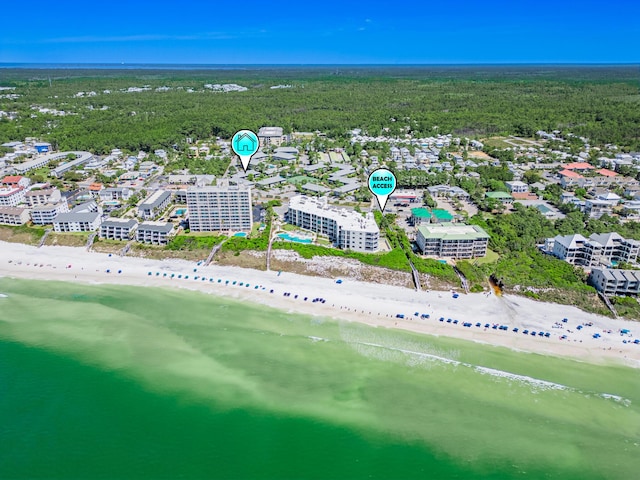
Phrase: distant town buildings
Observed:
(347, 229)
(220, 207)
(454, 240)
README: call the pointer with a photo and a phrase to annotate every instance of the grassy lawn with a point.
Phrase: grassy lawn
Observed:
(287, 227)
(323, 241)
(490, 258)
(496, 142)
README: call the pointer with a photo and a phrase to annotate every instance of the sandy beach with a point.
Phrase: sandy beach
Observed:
(373, 304)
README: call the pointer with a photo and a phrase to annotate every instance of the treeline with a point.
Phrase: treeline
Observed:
(605, 110)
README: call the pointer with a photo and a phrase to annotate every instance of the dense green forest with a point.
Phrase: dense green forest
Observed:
(602, 103)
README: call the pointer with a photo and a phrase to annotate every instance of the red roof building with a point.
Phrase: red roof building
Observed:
(570, 174)
(580, 166)
(606, 172)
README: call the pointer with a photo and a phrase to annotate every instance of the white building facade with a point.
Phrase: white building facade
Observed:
(220, 207)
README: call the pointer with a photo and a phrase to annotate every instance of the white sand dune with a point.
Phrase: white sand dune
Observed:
(373, 304)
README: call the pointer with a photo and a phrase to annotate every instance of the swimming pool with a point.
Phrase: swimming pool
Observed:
(286, 236)
(181, 211)
(240, 234)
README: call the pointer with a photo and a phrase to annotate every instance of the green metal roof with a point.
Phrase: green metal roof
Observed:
(441, 214)
(498, 195)
(421, 213)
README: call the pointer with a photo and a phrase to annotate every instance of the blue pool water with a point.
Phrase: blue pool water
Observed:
(240, 234)
(286, 236)
(181, 211)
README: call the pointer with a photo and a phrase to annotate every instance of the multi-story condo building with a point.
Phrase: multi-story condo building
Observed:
(13, 215)
(77, 222)
(33, 198)
(115, 193)
(345, 228)
(118, 228)
(454, 240)
(220, 207)
(598, 249)
(270, 136)
(44, 214)
(11, 196)
(154, 205)
(155, 233)
(611, 281)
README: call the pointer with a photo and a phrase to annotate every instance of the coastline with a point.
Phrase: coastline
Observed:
(372, 304)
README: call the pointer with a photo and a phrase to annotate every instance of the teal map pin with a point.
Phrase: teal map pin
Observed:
(382, 183)
(245, 143)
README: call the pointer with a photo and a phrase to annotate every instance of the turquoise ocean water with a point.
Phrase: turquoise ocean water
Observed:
(122, 382)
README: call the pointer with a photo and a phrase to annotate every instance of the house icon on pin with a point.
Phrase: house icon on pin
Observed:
(245, 142)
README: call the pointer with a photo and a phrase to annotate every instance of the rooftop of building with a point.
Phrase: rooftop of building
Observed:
(452, 231)
(346, 219)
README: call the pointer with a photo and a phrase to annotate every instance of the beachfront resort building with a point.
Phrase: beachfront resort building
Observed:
(36, 197)
(347, 229)
(220, 207)
(454, 240)
(11, 196)
(118, 228)
(77, 222)
(598, 249)
(13, 215)
(611, 281)
(270, 136)
(154, 205)
(44, 214)
(155, 233)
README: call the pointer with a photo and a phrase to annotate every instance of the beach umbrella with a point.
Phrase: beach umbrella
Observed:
(119, 271)
(149, 273)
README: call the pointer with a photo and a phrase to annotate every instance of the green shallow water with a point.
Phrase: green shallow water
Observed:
(122, 382)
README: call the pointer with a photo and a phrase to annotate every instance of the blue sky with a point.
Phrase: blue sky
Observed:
(253, 32)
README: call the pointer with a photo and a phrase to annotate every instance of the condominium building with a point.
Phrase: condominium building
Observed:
(44, 214)
(220, 207)
(345, 228)
(11, 196)
(118, 228)
(77, 222)
(154, 205)
(598, 249)
(452, 240)
(115, 193)
(13, 215)
(155, 233)
(270, 136)
(615, 282)
(33, 198)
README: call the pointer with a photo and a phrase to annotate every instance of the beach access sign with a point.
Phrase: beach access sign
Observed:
(382, 183)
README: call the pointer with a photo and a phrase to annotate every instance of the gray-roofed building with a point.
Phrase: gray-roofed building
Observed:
(598, 249)
(313, 187)
(81, 158)
(314, 168)
(13, 215)
(118, 228)
(33, 198)
(115, 193)
(288, 157)
(155, 233)
(347, 188)
(615, 282)
(270, 181)
(44, 214)
(447, 191)
(154, 205)
(77, 222)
